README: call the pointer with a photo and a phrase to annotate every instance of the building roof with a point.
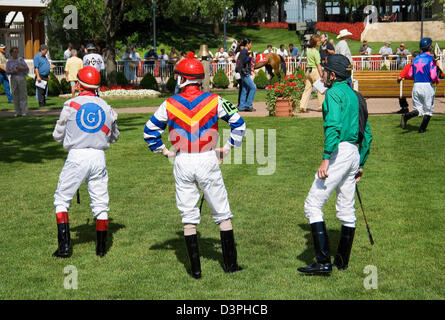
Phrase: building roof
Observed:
(23, 4)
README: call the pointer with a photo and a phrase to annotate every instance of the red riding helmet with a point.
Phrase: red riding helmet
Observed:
(89, 77)
(190, 68)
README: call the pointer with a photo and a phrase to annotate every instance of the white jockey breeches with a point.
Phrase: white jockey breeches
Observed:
(84, 165)
(423, 98)
(343, 167)
(200, 169)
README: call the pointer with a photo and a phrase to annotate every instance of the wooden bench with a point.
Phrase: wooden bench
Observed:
(383, 84)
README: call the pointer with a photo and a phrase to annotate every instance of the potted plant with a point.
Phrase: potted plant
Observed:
(283, 97)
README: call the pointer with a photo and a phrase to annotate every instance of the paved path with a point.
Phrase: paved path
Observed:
(376, 106)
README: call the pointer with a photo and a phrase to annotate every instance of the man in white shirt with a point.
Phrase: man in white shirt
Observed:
(342, 46)
(67, 53)
(221, 57)
(269, 49)
(93, 59)
(386, 49)
(163, 59)
(282, 52)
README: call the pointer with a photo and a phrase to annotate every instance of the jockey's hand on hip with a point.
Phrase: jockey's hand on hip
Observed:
(323, 169)
(358, 175)
(222, 152)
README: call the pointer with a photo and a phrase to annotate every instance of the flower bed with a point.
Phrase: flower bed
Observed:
(267, 25)
(130, 93)
(123, 91)
(334, 27)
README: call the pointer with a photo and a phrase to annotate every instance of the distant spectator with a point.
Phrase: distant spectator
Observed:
(72, 67)
(17, 68)
(150, 58)
(386, 49)
(3, 76)
(130, 65)
(282, 52)
(42, 68)
(326, 49)
(365, 50)
(82, 51)
(248, 87)
(92, 58)
(294, 52)
(163, 70)
(67, 53)
(269, 49)
(402, 55)
(313, 73)
(342, 46)
(221, 58)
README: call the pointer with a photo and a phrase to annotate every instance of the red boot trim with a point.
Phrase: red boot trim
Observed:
(62, 217)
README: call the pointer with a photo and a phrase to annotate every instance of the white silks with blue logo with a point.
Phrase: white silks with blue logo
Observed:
(86, 122)
(86, 126)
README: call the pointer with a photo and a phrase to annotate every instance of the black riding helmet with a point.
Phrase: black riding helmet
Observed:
(340, 65)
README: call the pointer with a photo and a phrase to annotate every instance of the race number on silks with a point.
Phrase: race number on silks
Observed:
(228, 107)
(90, 118)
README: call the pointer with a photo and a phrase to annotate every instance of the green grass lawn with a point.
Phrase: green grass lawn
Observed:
(57, 103)
(402, 191)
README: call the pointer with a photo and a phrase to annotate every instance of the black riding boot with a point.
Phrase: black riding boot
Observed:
(63, 236)
(407, 116)
(321, 246)
(101, 243)
(424, 124)
(344, 248)
(193, 250)
(403, 106)
(229, 252)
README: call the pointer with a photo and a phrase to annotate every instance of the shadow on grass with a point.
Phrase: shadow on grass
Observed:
(410, 128)
(308, 255)
(28, 140)
(208, 248)
(87, 233)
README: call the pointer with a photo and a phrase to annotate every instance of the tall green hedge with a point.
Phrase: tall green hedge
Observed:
(149, 82)
(54, 87)
(171, 83)
(220, 80)
(121, 79)
(31, 85)
(65, 86)
(261, 80)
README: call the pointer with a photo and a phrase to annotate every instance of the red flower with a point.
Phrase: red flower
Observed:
(276, 84)
(281, 90)
(277, 90)
(299, 76)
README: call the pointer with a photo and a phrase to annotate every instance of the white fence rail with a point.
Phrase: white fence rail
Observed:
(135, 70)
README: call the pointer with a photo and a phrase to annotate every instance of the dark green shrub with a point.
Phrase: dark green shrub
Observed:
(261, 80)
(31, 85)
(171, 83)
(149, 82)
(54, 87)
(220, 80)
(120, 79)
(65, 86)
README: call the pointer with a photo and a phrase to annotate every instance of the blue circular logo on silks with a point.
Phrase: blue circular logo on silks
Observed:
(90, 117)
